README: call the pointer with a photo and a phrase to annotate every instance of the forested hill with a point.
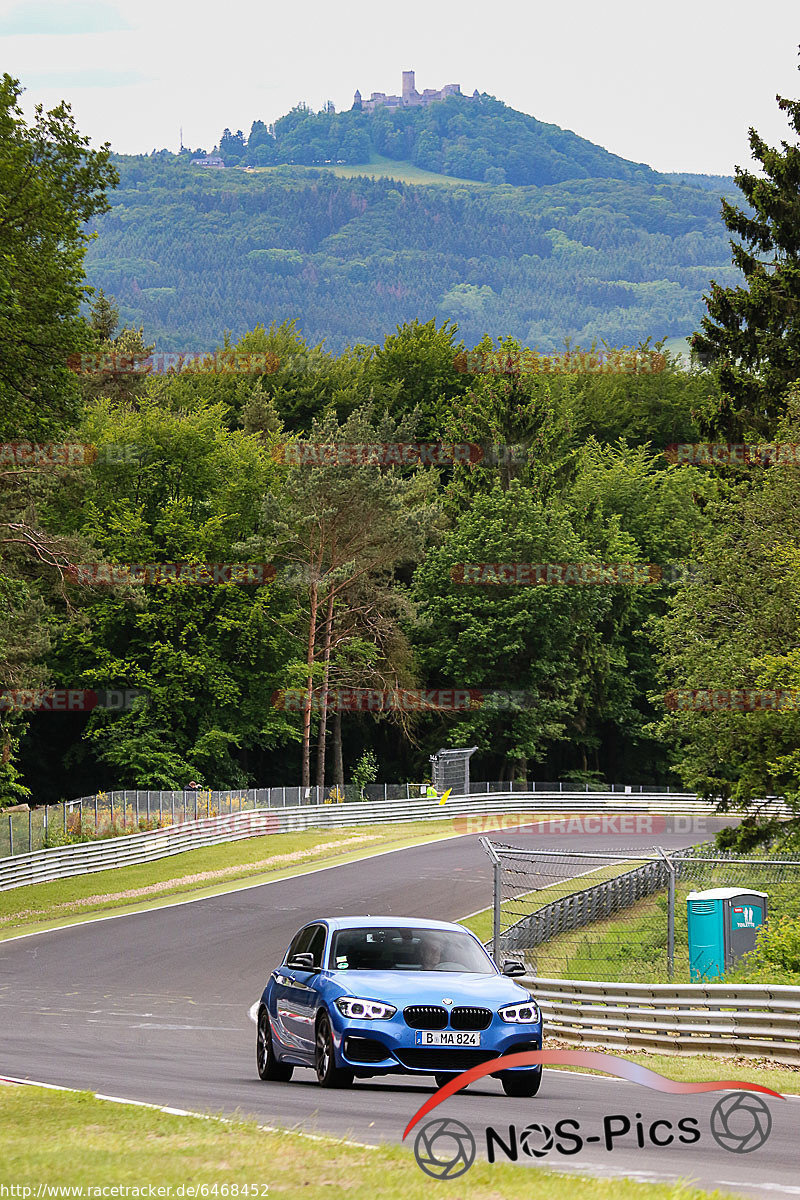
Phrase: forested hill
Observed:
(469, 138)
(189, 252)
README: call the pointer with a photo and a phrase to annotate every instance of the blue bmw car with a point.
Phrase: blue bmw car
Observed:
(362, 996)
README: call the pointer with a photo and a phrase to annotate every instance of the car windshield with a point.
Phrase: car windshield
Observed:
(405, 949)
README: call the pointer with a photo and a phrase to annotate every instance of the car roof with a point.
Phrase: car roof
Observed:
(370, 922)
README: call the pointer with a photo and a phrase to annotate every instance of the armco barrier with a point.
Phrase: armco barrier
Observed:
(22, 830)
(710, 1018)
(84, 858)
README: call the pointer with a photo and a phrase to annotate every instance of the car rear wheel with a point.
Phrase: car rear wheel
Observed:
(267, 1063)
(521, 1083)
(328, 1074)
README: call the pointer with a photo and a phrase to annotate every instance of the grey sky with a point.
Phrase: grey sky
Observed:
(674, 86)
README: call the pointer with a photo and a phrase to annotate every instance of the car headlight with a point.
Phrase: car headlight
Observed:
(367, 1010)
(527, 1013)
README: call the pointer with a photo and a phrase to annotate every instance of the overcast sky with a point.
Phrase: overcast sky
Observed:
(674, 86)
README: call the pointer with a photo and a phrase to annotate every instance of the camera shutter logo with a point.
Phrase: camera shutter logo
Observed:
(741, 1122)
(444, 1149)
(536, 1140)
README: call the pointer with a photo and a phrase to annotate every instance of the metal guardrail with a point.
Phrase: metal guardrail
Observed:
(23, 831)
(714, 1018)
(82, 858)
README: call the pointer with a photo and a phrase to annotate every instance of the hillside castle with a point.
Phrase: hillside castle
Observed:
(410, 98)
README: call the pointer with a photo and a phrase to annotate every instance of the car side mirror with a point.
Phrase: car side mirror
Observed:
(512, 967)
(301, 962)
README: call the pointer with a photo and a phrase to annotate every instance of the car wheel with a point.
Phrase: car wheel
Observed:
(267, 1063)
(521, 1083)
(328, 1074)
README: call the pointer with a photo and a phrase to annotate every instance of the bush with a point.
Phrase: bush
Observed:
(776, 956)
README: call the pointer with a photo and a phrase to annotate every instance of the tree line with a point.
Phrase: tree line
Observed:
(362, 587)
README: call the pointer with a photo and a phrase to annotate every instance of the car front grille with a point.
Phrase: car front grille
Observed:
(470, 1018)
(441, 1058)
(425, 1016)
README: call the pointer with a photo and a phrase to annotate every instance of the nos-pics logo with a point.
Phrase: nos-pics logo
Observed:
(445, 1148)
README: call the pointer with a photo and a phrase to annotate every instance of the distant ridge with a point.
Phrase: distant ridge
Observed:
(468, 137)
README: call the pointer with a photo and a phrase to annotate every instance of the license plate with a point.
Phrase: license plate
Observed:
(445, 1037)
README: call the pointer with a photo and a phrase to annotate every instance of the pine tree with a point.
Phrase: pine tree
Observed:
(104, 317)
(751, 335)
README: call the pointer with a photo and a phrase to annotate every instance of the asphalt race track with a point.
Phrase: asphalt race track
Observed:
(154, 1006)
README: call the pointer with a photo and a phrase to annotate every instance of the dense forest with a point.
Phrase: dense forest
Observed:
(370, 559)
(189, 253)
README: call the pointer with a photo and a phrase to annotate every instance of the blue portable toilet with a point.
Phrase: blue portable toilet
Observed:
(723, 925)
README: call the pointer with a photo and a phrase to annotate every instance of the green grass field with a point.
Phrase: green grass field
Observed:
(387, 168)
(73, 1139)
(694, 1068)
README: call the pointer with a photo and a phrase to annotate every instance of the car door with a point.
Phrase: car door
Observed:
(295, 994)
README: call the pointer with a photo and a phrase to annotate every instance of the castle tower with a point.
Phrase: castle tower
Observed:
(357, 105)
(409, 86)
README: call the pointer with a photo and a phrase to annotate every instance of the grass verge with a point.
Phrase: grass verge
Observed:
(135, 1147)
(205, 872)
(521, 906)
(695, 1068)
(387, 168)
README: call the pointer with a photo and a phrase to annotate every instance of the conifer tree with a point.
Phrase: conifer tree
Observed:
(751, 334)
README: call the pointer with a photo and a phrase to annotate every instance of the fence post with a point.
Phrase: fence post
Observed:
(10, 837)
(671, 925)
(670, 914)
(63, 817)
(46, 808)
(30, 831)
(497, 882)
(497, 879)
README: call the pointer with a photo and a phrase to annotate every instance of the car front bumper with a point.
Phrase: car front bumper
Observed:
(382, 1047)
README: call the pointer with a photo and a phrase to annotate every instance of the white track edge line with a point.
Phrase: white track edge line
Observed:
(184, 1112)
